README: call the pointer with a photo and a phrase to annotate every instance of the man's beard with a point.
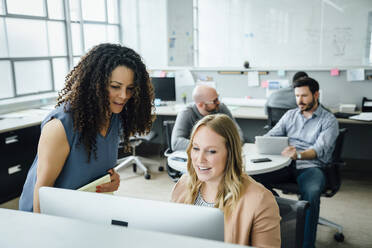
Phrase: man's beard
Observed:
(212, 111)
(309, 106)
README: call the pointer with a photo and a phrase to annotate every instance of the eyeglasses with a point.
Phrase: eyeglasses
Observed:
(215, 101)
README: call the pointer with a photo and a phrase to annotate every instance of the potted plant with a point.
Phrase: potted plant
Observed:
(184, 97)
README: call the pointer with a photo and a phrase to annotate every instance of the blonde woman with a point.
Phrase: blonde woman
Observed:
(216, 178)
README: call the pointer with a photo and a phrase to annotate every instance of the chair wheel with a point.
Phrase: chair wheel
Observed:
(161, 168)
(339, 237)
(147, 176)
(134, 168)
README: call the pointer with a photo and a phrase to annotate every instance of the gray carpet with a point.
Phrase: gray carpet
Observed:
(350, 207)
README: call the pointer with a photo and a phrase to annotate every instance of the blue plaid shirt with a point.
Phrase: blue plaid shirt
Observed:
(319, 132)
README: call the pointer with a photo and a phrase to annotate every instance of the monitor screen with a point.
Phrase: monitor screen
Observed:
(165, 88)
(168, 217)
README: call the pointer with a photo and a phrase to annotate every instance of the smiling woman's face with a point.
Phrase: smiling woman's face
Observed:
(208, 155)
(121, 88)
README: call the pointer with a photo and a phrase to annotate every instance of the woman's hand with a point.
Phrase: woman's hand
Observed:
(111, 186)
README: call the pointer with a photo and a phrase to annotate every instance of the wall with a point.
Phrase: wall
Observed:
(144, 24)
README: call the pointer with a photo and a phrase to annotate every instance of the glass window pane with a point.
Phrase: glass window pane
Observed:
(76, 60)
(26, 7)
(6, 85)
(76, 39)
(112, 11)
(60, 71)
(3, 45)
(26, 34)
(93, 10)
(74, 10)
(94, 34)
(2, 11)
(32, 76)
(57, 38)
(113, 34)
(55, 9)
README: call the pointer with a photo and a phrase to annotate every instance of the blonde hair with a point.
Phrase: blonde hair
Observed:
(234, 177)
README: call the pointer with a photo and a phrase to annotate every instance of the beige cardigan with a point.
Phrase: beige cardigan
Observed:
(255, 221)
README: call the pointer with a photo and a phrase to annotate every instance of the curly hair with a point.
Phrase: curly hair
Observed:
(234, 178)
(86, 95)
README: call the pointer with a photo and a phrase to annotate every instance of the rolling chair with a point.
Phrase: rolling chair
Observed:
(333, 183)
(168, 127)
(135, 160)
(273, 116)
(292, 224)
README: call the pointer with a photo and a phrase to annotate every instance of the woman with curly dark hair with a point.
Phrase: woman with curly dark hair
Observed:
(107, 95)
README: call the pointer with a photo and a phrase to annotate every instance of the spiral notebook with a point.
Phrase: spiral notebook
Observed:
(91, 187)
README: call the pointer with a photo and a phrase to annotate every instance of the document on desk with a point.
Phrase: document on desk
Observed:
(91, 187)
(362, 117)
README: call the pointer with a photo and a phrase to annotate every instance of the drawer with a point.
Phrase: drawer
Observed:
(12, 178)
(19, 143)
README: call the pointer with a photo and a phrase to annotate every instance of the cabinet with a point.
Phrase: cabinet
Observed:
(17, 152)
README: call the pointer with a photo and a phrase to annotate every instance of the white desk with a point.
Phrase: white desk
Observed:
(237, 111)
(249, 152)
(22, 229)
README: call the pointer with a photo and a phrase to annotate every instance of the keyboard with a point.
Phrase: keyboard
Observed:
(343, 115)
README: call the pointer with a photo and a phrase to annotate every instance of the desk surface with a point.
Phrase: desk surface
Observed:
(242, 112)
(22, 229)
(249, 152)
(32, 117)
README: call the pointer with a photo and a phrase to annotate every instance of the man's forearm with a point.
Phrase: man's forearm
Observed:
(308, 154)
(180, 144)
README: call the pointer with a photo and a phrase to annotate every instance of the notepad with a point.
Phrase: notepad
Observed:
(91, 187)
(367, 116)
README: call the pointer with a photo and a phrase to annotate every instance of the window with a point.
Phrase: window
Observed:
(35, 46)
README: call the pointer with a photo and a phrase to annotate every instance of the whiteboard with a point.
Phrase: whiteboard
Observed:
(284, 33)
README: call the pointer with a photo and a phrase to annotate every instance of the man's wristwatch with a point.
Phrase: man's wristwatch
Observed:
(299, 156)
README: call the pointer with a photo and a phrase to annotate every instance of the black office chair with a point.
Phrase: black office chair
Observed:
(273, 116)
(135, 160)
(168, 127)
(292, 224)
(333, 183)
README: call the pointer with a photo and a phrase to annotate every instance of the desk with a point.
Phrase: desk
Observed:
(23, 229)
(238, 112)
(249, 152)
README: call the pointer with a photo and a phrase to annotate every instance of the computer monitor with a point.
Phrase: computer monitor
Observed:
(168, 217)
(165, 88)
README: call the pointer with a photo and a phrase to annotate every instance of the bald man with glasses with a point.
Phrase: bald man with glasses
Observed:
(206, 102)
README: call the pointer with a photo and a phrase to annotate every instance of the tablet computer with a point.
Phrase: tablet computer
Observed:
(272, 145)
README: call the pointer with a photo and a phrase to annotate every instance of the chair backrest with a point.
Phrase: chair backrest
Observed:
(274, 114)
(168, 126)
(332, 169)
(292, 224)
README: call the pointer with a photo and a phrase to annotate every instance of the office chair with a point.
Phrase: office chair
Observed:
(333, 183)
(135, 160)
(168, 126)
(273, 116)
(292, 224)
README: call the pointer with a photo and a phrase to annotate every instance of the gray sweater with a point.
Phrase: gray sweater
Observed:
(282, 98)
(185, 121)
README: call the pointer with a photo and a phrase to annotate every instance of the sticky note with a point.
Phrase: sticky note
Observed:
(163, 74)
(264, 84)
(335, 72)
